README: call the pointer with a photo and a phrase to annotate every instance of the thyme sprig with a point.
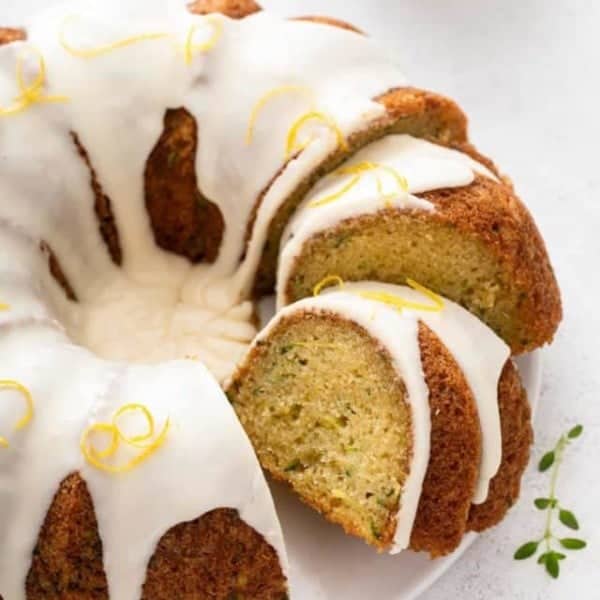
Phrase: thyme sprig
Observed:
(549, 556)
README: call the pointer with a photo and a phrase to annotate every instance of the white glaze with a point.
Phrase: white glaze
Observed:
(425, 166)
(205, 463)
(116, 105)
(480, 354)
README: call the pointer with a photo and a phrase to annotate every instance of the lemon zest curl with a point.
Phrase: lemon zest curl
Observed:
(10, 384)
(209, 44)
(358, 170)
(336, 195)
(144, 442)
(400, 303)
(366, 166)
(327, 282)
(105, 48)
(387, 298)
(32, 93)
(268, 97)
(292, 143)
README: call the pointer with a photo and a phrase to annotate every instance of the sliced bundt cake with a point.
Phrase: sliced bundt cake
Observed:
(383, 414)
(151, 158)
(404, 208)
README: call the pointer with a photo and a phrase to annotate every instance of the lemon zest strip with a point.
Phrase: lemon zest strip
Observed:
(209, 44)
(4, 306)
(366, 166)
(90, 455)
(136, 439)
(400, 303)
(435, 298)
(358, 170)
(326, 282)
(270, 95)
(105, 48)
(95, 456)
(33, 93)
(336, 195)
(292, 145)
(387, 198)
(9, 384)
(114, 442)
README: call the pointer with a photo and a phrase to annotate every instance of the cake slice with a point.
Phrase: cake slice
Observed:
(379, 406)
(404, 208)
(408, 110)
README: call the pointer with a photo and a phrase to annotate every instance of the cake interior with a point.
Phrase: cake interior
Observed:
(390, 246)
(331, 419)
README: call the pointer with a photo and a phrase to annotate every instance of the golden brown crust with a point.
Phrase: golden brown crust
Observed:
(9, 35)
(102, 207)
(57, 272)
(183, 220)
(235, 9)
(215, 556)
(67, 560)
(443, 120)
(455, 452)
(493, 214)
(517, 437)
(330, 21)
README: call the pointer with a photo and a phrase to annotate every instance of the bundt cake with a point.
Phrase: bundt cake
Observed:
(152, 157)
(382, 407)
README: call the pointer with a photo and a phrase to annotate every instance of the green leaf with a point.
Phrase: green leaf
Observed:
(543, 503)
(560, 556)
(568, 519)
(544, 557)
(573, 544)
(552, 565)
(526, 550)
(575, 432)
(547, 461)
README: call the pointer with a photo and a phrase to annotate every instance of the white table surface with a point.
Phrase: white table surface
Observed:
(527, 72)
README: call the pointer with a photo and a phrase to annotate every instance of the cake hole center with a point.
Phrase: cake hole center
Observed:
(144, 323)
